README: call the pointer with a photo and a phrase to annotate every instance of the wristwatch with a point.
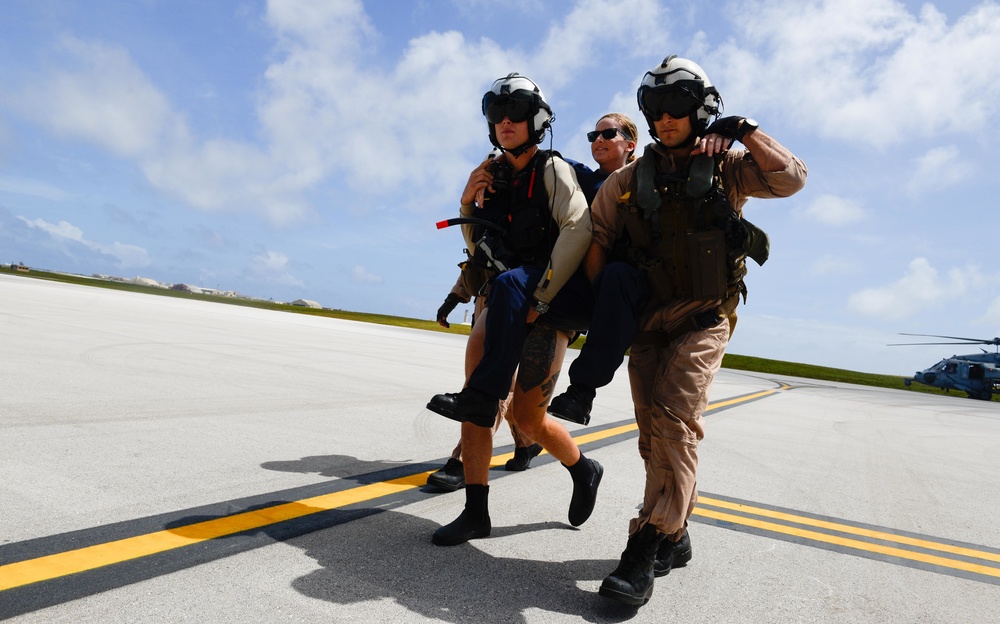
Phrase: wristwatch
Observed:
(541, 307)
(748, 126)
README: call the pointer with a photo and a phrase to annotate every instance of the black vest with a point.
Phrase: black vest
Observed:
(519, 206)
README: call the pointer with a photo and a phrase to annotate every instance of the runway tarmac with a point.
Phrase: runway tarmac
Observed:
(169, 460)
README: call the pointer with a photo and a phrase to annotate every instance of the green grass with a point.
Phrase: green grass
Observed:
(730, 361)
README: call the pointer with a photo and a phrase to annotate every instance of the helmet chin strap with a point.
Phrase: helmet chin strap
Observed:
(517, 151)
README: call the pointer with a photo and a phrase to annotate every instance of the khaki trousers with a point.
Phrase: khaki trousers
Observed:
(670, 391)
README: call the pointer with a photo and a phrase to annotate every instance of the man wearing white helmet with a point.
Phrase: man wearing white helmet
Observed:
(612, 146)
(670, 225)
(528, 221)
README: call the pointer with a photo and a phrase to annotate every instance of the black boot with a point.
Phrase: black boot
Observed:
(574, 405)
(522, 457)
(632, 580)
(672, 555)
(444, 404)
(469, 405)
(449, 477)
(586, 475)
(474, 521)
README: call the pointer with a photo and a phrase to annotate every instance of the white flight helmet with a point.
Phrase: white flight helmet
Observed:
(678, 87)
(519, 99)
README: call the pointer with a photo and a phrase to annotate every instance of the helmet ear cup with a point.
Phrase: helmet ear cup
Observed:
(541, 121)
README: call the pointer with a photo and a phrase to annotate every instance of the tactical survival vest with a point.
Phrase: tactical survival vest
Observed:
(684, 235)
(524, 232)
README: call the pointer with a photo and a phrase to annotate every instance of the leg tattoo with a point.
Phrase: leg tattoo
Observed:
(536, 362)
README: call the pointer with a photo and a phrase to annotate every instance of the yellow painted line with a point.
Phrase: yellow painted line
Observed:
(853, 530)
(623, 429)
(100, 555)
(850, 543)
(743, 399)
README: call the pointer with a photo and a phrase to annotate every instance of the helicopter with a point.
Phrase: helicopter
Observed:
(978, 374)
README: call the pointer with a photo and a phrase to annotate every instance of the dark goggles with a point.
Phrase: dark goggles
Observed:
(607, 134)
(678, 102)
(517, 106)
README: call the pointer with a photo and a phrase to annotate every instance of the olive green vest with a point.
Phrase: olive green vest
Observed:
(684, 235)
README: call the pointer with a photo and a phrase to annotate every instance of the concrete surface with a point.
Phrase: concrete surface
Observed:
(125, 415)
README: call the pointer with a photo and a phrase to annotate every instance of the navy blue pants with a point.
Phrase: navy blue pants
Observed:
(509, 302)
(621, 293)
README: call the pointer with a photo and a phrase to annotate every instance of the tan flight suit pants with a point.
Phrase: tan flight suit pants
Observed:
(670, 390)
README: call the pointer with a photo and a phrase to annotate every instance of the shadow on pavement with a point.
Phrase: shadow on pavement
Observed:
(390, 556)
(343, 467)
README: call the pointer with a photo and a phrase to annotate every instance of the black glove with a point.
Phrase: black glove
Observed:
(728, 127)
(449, 304)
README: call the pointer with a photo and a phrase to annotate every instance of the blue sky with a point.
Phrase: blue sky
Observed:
(297, 149)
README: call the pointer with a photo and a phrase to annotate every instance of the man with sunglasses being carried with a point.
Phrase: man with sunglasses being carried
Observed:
(668, 258)
(533, 220)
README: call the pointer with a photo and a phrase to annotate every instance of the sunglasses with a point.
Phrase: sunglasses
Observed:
(607, 134)
(510, 106)
(677, 102)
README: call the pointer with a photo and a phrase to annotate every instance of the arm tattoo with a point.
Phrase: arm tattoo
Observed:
(536, 361)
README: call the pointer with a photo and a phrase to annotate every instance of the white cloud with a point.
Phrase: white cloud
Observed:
(940, 168)
(835, 265)
(362, 275)
(104, 99)
(823, 343)
(856, 70)
(573, 43)
(32, 188)
(921, 288)
(326, 113)
(7, 143)
(866, 70)
(127, 256)
(272, 261)
(834, 211)
(992, 316)
(229, 175)
(273, 267)
(64, 229)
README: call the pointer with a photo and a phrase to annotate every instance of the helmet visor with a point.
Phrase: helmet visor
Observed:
(676, 101)
(517, 106)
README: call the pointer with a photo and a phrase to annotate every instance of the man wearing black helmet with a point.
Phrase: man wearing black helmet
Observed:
(670, 225)
(530, 222)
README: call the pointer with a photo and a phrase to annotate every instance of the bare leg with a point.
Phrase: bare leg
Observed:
(477, 340)
(477, 446)
(541, 363)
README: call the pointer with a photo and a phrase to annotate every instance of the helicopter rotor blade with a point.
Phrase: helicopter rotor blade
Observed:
(989, 341)
(918, 344)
